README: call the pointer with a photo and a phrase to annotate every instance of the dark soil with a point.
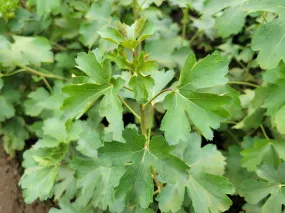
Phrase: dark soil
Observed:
(11, 200)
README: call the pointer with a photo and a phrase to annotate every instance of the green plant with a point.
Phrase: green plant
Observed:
(124, 112)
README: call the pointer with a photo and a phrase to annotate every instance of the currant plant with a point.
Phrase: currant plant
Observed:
(136, 109)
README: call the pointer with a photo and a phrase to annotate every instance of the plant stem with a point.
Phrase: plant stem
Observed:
(194, 36)
(264, 132)
(135, 9)
(12, 73)
(36, 72)
(143, 126)
(47, 84)
(158, 94)
(159, 186)
(184, 22)
(127, 88)
(129, 108)
(150, 124)
(244, 83)
(264, 16)
(229, 122)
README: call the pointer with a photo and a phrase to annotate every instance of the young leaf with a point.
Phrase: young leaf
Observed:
(204, 109)
(129, 36)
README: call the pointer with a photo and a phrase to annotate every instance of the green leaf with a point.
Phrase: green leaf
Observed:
(97, 183)
(89, 140)
(272, 76)
(200, 107)
(7, 109)
(41, 170)
(202, 159)
(98, 17)
(208, 72)
(161, 79)
(83, 96)
(65, 60)
(162, 53)
(111, 108)
(214, 6)
(255, 112)
(15, 135)
(136, 185)
(275, 104)
(275, 6)
(204, 180)
(65, 186)
(44, 8)
(214, 188)
(30, 47)
(1, 83)
(89, 65)
(234, 172)
(231, 21)
(25, 51)
(270, 50)
(55, 133)
(67, 207)
(262, 151)
(38, 182)
(142, 86)
(269, 188)
(36, 102)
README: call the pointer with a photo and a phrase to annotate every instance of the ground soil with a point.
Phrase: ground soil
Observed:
(11, 200)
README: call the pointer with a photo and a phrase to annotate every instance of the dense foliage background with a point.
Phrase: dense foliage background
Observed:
(146, 105)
